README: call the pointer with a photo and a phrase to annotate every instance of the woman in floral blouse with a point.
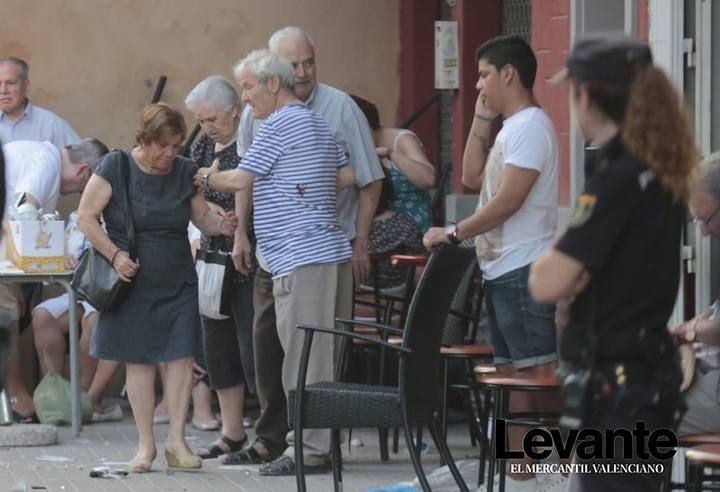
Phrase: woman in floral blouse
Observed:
(402, 154)
(228, 342)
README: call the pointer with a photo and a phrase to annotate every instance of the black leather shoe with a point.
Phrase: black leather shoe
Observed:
(285, 466)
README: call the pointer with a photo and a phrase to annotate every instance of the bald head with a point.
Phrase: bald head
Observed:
(296, 46)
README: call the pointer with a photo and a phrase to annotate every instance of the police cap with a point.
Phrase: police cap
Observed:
(605, 59)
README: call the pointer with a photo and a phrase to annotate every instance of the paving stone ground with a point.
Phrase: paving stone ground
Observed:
(66, 466)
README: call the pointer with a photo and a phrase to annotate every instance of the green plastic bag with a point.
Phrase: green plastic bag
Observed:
(52, 399)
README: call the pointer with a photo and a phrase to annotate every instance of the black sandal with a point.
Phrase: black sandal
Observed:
(250, 456)
(215, 450)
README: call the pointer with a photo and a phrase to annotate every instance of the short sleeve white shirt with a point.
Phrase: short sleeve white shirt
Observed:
(527, 140)
(34, 168)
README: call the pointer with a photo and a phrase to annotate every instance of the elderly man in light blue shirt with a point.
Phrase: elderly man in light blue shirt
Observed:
(22, 120)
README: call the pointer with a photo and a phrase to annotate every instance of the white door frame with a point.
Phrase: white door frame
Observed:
(667, 40)
(703, 134)
(577, 148)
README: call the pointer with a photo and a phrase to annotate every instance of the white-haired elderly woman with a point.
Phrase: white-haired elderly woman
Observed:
(293, 169)
(228, 342)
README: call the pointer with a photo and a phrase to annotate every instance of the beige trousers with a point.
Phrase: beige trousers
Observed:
(310, 295)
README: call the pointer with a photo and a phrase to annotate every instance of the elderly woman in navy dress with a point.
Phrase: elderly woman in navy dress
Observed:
(159, 319)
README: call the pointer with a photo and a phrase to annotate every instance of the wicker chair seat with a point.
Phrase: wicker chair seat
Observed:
(330, 405)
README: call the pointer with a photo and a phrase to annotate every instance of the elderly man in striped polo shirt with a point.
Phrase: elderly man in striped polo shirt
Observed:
(356, 207)
(294, 168)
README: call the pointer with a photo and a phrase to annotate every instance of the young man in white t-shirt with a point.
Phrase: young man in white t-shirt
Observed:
(515, 219)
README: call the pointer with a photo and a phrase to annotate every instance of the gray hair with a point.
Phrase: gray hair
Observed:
(266, 64)
(289, 31)
(89, 150)
(215, 91)
(709, 178)
(18, 62)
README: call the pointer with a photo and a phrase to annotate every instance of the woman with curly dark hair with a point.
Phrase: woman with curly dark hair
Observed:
(618, 264)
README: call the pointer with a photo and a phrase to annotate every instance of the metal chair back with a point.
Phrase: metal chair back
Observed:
(419, 375)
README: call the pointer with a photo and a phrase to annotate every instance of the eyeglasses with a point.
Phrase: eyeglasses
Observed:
(706, 222)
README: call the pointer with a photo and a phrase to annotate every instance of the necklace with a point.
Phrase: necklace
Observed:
(146, 168)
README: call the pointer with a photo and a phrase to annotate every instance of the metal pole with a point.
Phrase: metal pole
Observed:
(76, 416)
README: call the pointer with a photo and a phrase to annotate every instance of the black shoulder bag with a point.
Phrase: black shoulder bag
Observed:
(95, 279)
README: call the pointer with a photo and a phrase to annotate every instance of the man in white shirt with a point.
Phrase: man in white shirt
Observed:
(40, 172)
(515, 220)
(20, 119)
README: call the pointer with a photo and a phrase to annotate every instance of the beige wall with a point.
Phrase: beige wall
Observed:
(95, 62)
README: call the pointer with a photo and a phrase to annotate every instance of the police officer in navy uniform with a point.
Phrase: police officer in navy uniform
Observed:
(618, 264)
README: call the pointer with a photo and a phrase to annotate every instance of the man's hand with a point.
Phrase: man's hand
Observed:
(679, 332)
(242, 253)
(435, 236)
(70, 262)
(199, 178)
(483, 111)
(360, 260)
(228, 223)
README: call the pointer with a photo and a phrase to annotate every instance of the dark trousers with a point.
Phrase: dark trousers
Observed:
(658, 405)
(272, 425)
(228, 343)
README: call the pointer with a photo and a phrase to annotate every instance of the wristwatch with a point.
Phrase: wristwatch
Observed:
(451, 232)
(206, 180)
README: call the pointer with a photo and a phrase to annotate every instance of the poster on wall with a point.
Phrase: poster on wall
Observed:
(446, 55)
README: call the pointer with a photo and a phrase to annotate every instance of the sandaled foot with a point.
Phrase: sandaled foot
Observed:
(110, 414)
(25, 419)
(183, 461)
(141, 463)
(285, 466)
(249, 456)
(205, 425)
(217, 449)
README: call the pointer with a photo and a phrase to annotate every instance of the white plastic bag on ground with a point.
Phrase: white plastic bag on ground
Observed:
(440, 480)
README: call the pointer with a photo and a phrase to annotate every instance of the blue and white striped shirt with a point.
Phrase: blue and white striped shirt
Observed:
(295, 159)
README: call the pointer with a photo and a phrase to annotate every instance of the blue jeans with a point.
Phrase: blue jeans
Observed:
(522, 330)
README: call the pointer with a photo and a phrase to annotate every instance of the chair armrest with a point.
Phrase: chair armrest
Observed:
(370, 324)
(381, 256)
(349, 334)
(464, 315)
(393, 297)
(408, 260)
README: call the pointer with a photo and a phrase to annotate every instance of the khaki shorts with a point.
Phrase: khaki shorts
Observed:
(10, 300)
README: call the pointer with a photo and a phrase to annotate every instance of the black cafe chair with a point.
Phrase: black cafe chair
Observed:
(415, 401)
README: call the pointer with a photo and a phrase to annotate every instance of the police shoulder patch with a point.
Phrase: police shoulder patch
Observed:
(584, 207)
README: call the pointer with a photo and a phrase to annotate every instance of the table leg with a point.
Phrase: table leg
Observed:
(75, 408)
